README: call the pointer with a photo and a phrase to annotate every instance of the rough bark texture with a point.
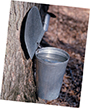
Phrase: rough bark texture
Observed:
(18, 81)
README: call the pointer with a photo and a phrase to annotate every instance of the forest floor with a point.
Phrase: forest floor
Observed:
(68, 31)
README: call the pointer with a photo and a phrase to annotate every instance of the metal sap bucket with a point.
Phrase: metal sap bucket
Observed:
(50, 68)
(51, 62)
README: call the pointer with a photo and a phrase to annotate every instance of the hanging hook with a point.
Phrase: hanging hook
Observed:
(38, 46)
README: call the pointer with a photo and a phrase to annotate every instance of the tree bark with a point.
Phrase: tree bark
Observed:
(18, 80)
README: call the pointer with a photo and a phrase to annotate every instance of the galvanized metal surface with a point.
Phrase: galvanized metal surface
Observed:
(46, 22)
(50, 68)
(51, 62)
(33, 31)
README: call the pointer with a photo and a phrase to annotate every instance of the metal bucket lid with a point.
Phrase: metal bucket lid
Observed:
(33, 30)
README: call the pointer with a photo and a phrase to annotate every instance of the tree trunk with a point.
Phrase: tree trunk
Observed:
(18, 80)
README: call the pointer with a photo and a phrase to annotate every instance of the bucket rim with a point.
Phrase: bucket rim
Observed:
(52, 48)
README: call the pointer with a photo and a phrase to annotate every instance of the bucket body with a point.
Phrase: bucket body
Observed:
(50, 68)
